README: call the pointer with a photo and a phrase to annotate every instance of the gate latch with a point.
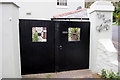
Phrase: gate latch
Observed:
(64, 32)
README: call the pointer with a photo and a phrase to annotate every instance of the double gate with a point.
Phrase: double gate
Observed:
(53, 46)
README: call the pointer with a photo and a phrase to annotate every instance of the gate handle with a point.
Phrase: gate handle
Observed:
(60, 47)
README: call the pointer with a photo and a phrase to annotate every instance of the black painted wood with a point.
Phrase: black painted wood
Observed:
(36, 57)
(72, 55)
(43, 57)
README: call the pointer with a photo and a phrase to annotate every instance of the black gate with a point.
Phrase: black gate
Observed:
(50, 46)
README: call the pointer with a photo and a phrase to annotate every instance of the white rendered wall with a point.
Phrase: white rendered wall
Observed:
(107, 56)
(46, 9)
(10, 41)
(95, 36)
(101, 46)
(0, 41)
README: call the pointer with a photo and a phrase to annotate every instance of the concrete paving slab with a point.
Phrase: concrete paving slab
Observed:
(65, 74)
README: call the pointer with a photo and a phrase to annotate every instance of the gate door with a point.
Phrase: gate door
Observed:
(49, 46)
(72, 45)
(37, 46)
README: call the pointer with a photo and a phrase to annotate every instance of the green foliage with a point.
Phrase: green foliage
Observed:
(116, 14)
(110, 75)
(119, 4)
(35, 37)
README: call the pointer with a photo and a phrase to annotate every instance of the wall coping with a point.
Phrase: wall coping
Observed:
(102, 6)
(10, 3)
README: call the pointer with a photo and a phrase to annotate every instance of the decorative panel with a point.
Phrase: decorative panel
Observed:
(39, 34)
(73, 34)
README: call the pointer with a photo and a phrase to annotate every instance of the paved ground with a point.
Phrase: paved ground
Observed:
(117, 46)
(116, 40)
(66, 74)
(115, 33)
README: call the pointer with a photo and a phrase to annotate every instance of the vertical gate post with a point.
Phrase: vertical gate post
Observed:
(0, 41)
(103, 55)
(10, 40)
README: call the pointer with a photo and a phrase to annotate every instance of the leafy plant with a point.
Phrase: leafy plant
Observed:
(110, 75)
(35, 37)
(116, 14)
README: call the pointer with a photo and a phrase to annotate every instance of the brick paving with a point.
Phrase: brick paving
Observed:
(65, 74)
